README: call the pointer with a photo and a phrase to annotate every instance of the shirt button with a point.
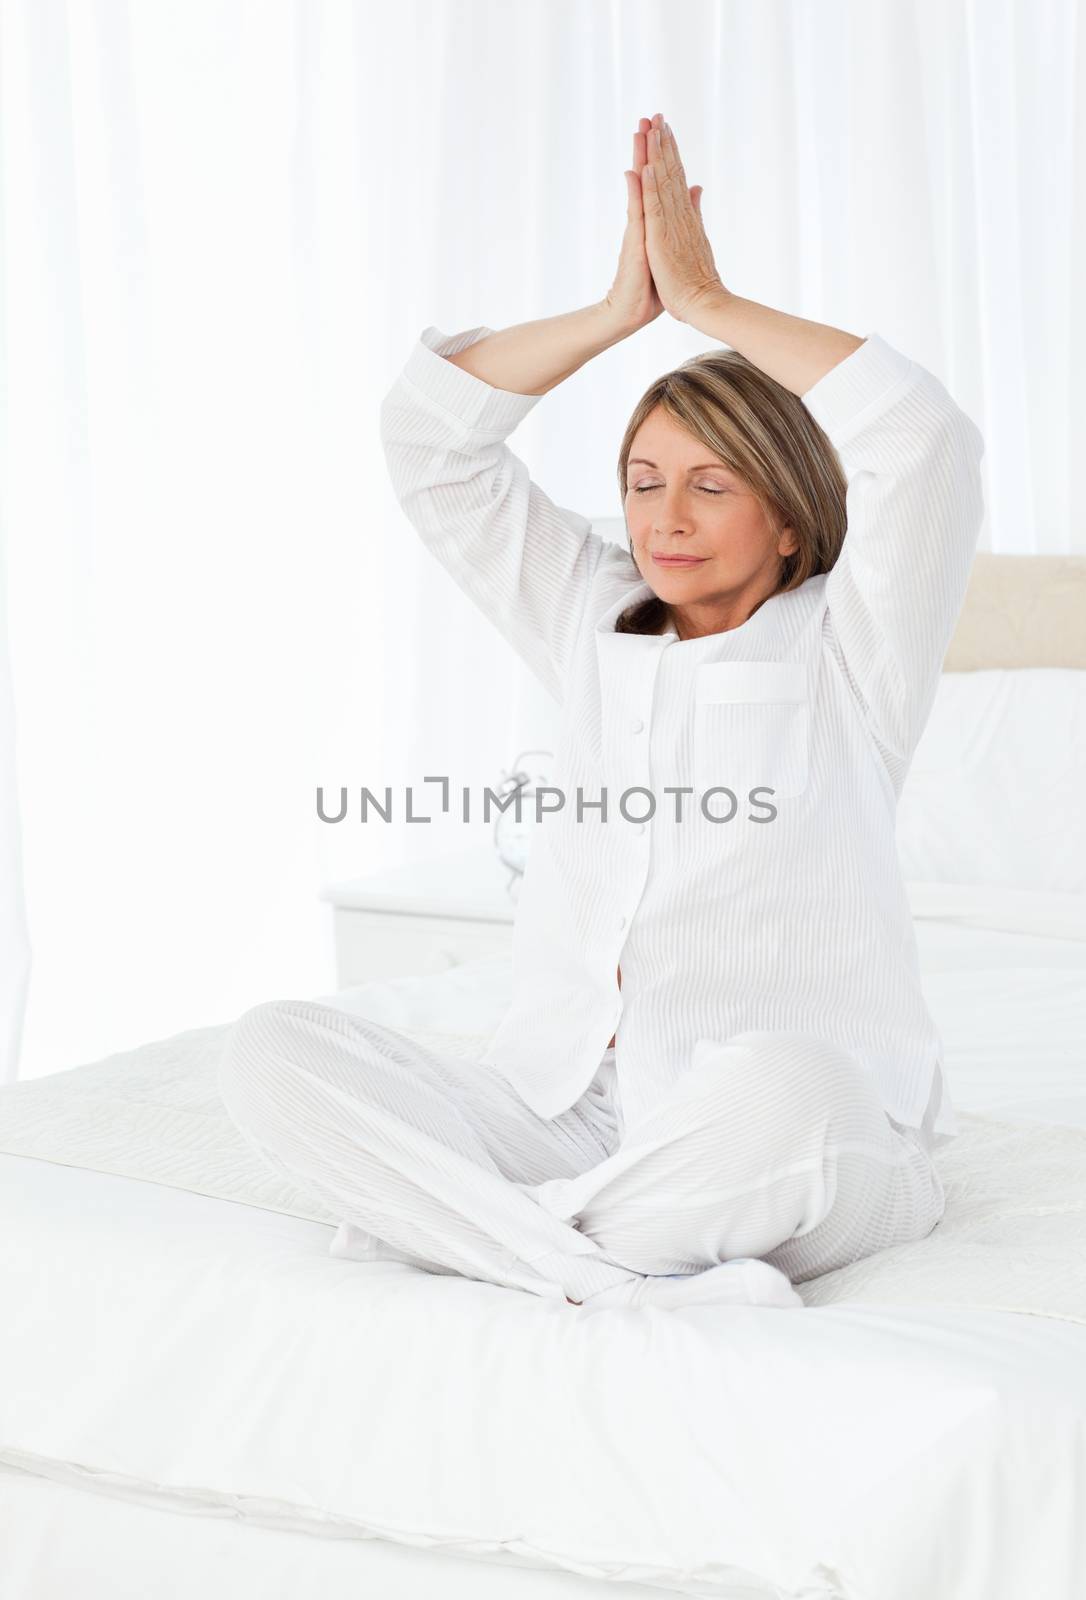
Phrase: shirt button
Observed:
(622, 922)
(640, 828)
(636, 726)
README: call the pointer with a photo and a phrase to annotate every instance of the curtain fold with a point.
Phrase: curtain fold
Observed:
(224, 226)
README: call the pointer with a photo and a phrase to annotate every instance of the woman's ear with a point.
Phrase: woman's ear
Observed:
(787, 542)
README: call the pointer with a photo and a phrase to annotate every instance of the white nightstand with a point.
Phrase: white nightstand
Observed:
(421, 918)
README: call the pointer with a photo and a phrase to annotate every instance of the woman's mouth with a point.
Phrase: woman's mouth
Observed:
(679, 561)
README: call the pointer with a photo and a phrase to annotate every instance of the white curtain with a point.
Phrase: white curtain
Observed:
(224, 225)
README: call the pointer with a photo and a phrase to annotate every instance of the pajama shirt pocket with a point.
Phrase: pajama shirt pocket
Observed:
(751, 728)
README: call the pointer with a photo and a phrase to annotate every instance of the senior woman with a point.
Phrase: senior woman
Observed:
(754, 1096)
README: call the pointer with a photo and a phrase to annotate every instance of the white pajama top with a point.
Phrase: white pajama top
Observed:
(776, 900)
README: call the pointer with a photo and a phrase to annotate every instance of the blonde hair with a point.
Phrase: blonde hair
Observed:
(763, 432)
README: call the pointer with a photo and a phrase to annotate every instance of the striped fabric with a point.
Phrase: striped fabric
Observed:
(771, 1147)
(784, 911)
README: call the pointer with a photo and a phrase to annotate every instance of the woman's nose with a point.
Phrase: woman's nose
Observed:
(673, 513)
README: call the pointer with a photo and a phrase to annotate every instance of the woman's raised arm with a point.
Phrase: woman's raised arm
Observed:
(525, 562)
(791, 350)
(914, 502)
(533, 357)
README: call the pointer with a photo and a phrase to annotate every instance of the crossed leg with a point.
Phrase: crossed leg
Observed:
(420, 1150)
(771, 1145)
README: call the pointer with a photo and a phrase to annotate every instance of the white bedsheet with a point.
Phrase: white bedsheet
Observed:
(204, 1354)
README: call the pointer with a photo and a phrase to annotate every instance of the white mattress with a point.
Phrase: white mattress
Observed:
(186, 1348)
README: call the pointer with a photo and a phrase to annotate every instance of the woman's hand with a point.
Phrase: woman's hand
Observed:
(678, 249)
(633, 300)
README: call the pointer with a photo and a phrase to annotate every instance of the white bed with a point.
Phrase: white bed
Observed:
(200, 1400)
(188, 1368)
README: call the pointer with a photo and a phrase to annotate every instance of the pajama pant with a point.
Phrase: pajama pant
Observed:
(771, 1145)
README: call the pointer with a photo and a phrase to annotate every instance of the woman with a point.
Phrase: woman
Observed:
(747, 684)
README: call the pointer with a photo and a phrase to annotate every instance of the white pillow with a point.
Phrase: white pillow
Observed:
(996, 793)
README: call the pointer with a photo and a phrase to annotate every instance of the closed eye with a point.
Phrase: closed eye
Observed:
(647, 488)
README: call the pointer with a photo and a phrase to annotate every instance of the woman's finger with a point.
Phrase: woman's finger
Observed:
(659, 179)
(672, 160)
(640, 153)
(633, 186)
(662, 151)
(632, 218)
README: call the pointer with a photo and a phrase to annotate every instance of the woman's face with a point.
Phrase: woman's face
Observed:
(680, 501)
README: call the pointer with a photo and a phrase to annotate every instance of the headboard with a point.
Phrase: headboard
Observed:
(1019, 611)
